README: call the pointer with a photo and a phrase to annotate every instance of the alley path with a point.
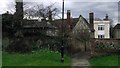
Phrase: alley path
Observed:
(80, 60)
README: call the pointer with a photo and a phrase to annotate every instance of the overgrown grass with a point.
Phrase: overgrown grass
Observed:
(37, 58)
(111, 60)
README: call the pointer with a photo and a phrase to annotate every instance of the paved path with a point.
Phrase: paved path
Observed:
(80, 60)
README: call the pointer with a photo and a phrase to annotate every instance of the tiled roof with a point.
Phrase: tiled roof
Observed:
(88, 24)
(117, 26)
(95, 19)
(35, 23)
(58, 23)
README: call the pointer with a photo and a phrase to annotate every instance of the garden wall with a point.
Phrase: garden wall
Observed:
(105, 45)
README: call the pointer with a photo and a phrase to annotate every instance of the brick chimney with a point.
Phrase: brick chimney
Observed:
(50, 16)
(19, 13)
(91, 19)
(19, 9)
(69, 24)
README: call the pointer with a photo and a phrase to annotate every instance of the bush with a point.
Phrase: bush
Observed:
(5, 42)
(20, 46)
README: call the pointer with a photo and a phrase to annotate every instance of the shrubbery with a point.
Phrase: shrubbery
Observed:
(20, 46)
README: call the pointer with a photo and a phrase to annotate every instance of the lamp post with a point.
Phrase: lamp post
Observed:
(62, 54)
(62, 47)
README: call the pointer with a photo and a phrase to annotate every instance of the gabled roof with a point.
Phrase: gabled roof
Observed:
(117, 26)
(83, 24)
(58, 22)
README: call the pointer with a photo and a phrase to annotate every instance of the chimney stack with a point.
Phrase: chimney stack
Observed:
(19, 13)
(69, 24)
(19, 9)
(91, 19)
(50, 16)
(68, 14)
(106, 17)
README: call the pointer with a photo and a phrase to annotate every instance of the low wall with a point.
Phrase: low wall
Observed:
(105, 45)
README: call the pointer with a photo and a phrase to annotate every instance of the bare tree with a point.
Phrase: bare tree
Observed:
(41, 11)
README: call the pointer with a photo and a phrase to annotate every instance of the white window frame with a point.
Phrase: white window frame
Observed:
(101, 36)
(101, 27)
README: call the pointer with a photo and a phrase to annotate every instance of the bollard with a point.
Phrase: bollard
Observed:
(62, 54)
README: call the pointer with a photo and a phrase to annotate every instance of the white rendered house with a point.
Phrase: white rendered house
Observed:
(102, 28)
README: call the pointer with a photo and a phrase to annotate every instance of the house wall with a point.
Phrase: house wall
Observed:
(107, 29)
(104, 32)
(117, 33)
(80, 27)
(78, 46)
(96, 29)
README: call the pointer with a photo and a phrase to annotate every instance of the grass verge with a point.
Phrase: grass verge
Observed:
(111, 60)
(37, 58)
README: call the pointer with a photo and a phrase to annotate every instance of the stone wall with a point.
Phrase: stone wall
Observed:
(105, 45)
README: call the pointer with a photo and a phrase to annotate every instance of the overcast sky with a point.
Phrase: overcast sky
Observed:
(77, 7)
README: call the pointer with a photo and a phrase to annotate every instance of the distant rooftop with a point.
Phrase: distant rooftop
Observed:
(117, 26)
(35, 23)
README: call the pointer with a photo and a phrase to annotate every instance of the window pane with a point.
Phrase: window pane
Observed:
(100, 36)
(100, 27)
